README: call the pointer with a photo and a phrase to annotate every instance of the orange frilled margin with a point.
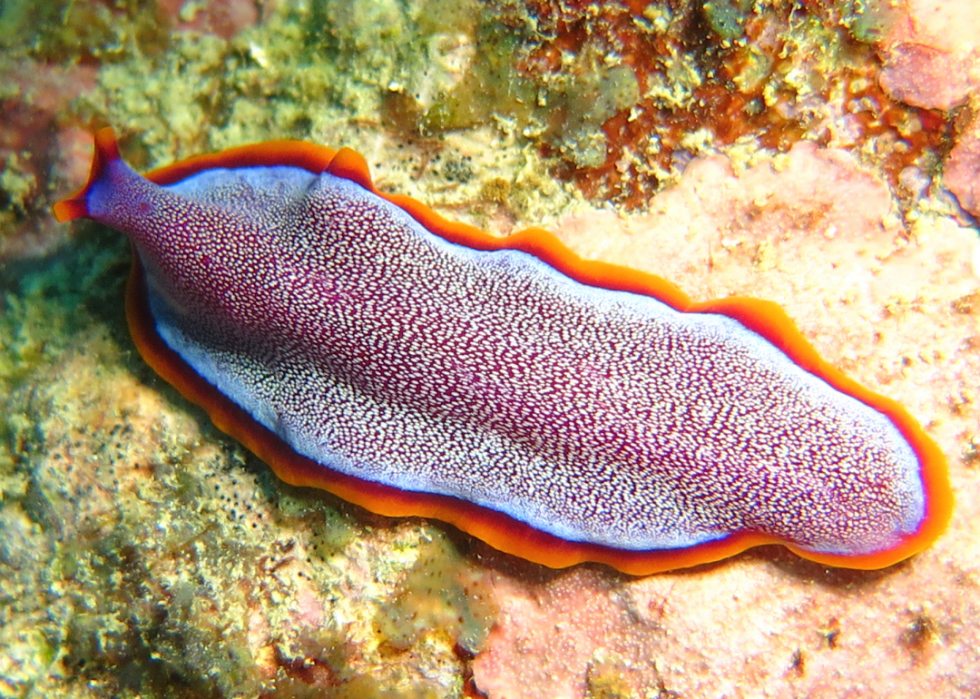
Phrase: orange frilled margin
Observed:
(498, 530)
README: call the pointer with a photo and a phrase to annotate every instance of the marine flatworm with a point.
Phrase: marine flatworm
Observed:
(559, 409)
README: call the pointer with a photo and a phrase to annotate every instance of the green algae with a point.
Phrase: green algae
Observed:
(142, 552)
(727, 17)
(306, 67)
(583, 99)
(486, 86)
(44, 304)
(150, 551)
(332, 529)
(591, 99)
(869, 21)
(327, 72)
(61, 30)
(17, 186)
(151, 547)
(437, 594)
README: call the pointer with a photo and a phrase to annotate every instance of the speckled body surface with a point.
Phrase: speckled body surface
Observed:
(382, 351)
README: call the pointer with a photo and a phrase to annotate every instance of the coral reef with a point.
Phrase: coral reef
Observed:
(822, 154)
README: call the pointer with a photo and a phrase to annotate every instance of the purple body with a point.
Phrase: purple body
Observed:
(380, 350)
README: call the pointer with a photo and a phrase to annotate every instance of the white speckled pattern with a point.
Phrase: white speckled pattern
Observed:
(382, 351)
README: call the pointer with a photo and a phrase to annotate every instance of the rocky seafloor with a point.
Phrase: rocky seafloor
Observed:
(824, 155)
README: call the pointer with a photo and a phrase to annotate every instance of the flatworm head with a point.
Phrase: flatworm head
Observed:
(559, 409)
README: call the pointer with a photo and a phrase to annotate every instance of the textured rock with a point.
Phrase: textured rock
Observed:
(930, 54)
(818, 235)
(961, 174)
(125, 571)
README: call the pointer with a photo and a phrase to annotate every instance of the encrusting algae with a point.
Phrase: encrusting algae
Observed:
(144, 554)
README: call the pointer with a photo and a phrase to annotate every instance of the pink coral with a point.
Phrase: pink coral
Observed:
(225, 19)
(35, 147)
(962, 172)
(562, 639)
(931, 54)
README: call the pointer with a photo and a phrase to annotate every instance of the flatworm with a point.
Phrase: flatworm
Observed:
(559, 409)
